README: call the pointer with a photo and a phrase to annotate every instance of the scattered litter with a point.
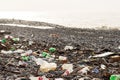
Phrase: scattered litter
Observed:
(66, 73)
(52, 49)
(24, 59)
(85, 78)
(31, 42)
(68, 67)
(10, 51)
(62, 58)
(39, 78)
(48, 67)
(115, 77)
(59, 79)
(3, 41)
(45, 54)
(8, 37)
(68, 48)
(6, 52)
(102, 66)
(27, 53)
(118, 47)
(115, 58)
(84, 70)
(4, 32)
(39, 61)
(23, 64)
(96, 79)
(95, 70)
(104, 54)
(16, 39)
(19, 51)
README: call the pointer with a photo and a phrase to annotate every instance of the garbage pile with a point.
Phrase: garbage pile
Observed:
(22, 59)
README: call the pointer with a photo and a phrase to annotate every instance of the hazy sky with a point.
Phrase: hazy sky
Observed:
(61, 5)
(65, 12)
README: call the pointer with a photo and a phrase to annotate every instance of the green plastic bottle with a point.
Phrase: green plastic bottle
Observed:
(3, 41)
(12, 49)
(115, 77)
(15, 39)
(46, 55)
(25, 58)
(52, 49)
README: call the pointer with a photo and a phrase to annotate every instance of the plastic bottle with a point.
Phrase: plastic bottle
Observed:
(46, 55)
(10, 52)
(22, 63)
(95, 70)
(68, 67)
(48, 66)
(103, 66)
(68, 48)
(12, 48)
(19, 51)
(25, 58)
(66, 73)
(16, 39)
(52, 49)
(6, 52)
(3, 41)
(39, 78)
(27, 53)
(40, 61)
(59, 79)
(8, 36)
(115, 77)
(63, 59)
(84, 70)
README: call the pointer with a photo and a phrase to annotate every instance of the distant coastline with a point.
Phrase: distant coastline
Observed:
(26, 22)
(16, 22)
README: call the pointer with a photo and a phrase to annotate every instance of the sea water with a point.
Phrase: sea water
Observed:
(69, 19)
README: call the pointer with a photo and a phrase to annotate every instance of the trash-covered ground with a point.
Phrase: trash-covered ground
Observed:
(59, 54)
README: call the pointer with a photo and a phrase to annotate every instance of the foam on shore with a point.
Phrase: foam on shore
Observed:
(21, 25)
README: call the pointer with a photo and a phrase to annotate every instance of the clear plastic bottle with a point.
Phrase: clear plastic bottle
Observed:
(27, 53)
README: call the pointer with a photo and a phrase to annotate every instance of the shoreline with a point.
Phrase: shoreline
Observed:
(28, 23)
